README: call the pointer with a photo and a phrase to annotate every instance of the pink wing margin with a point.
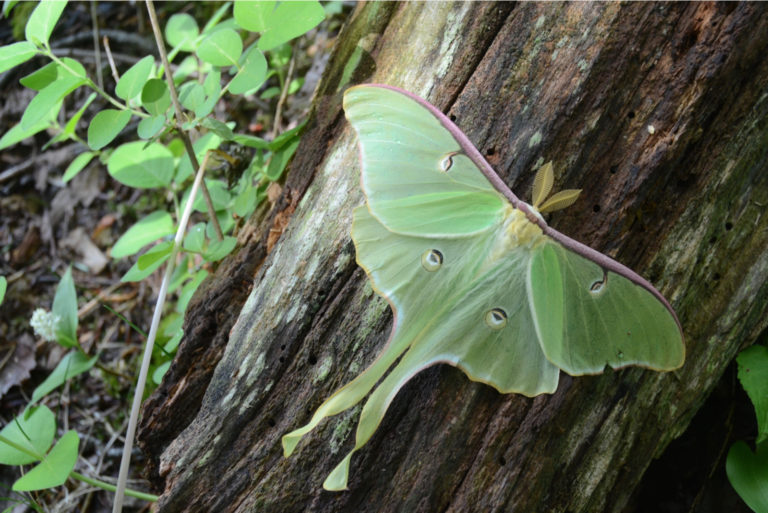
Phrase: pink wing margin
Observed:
(605, 262)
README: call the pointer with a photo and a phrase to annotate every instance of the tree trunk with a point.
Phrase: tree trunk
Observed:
(658, 111)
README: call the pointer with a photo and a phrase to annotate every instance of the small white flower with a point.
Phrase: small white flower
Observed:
(44, 323)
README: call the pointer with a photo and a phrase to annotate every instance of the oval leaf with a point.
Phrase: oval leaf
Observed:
(65, 307)
(77, 165)
(220, 248)
(222, 48)
(133, 80)
(16, 53)
(195, 239)
(253, 16)
(181, 31)
(289, 20)
(149, 262)
(155, 226)
(34, 430)
(18, 133)
(753, 375)
(748, 474)
(42, 20)
(155, 97)
(105, 126)
(47, 98)
(252, 74)
(150, 127)
(74, 363)
(142, 167)
(55, 468)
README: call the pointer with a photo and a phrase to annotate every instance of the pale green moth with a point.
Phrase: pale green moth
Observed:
(475, 276)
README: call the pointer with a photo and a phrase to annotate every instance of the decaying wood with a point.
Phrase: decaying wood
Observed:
(658, 111)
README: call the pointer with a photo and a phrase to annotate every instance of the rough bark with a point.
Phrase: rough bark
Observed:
(658, 111)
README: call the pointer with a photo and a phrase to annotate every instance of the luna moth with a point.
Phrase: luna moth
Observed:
(475, 277)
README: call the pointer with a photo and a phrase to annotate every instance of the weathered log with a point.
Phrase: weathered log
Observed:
(656, 110)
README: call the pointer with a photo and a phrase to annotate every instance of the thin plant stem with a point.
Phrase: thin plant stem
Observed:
(96, 48)
(111, 488)
(283, 96)
(90, 83)
(111, 60)
(177, 107)
(117, 505)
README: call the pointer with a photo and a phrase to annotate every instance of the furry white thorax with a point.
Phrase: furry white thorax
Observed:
(517, 232)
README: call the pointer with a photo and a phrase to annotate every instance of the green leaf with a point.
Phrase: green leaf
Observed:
(253, 16)
(219, 128)
(246, 201)
(18, 133)
(191, 95)
(3, 287)
(150, 127)
(287, 137)
(8, 5)
(172, 323)
(220, 196)
(221, 48)
(55, 468)
(748, 474)
(194, 240)
(15, 54)
(133, 80)
(155, 97)
(69, 128)
(270, 92)
(185, 68)
(143, 166)
(34, 430)
(180, 273)
(753, 374)
(43, 77)
(173, 343)
(252, 73)
(279, 160)
(214, 20)
(156, 225)
(149, 262)
(284, 22)
(77, 165)
(212, 88)
(251, 141)
(42, 20)
(160, 370)
(47, 98)
(207, 142)
(73, 364)
(105, 126)
(40, 78)
(188, 290)
(226, 222)
(65, 307)
(181, 31)
(71, 125)
(157, 254)
(218, 249)
(295, 85)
